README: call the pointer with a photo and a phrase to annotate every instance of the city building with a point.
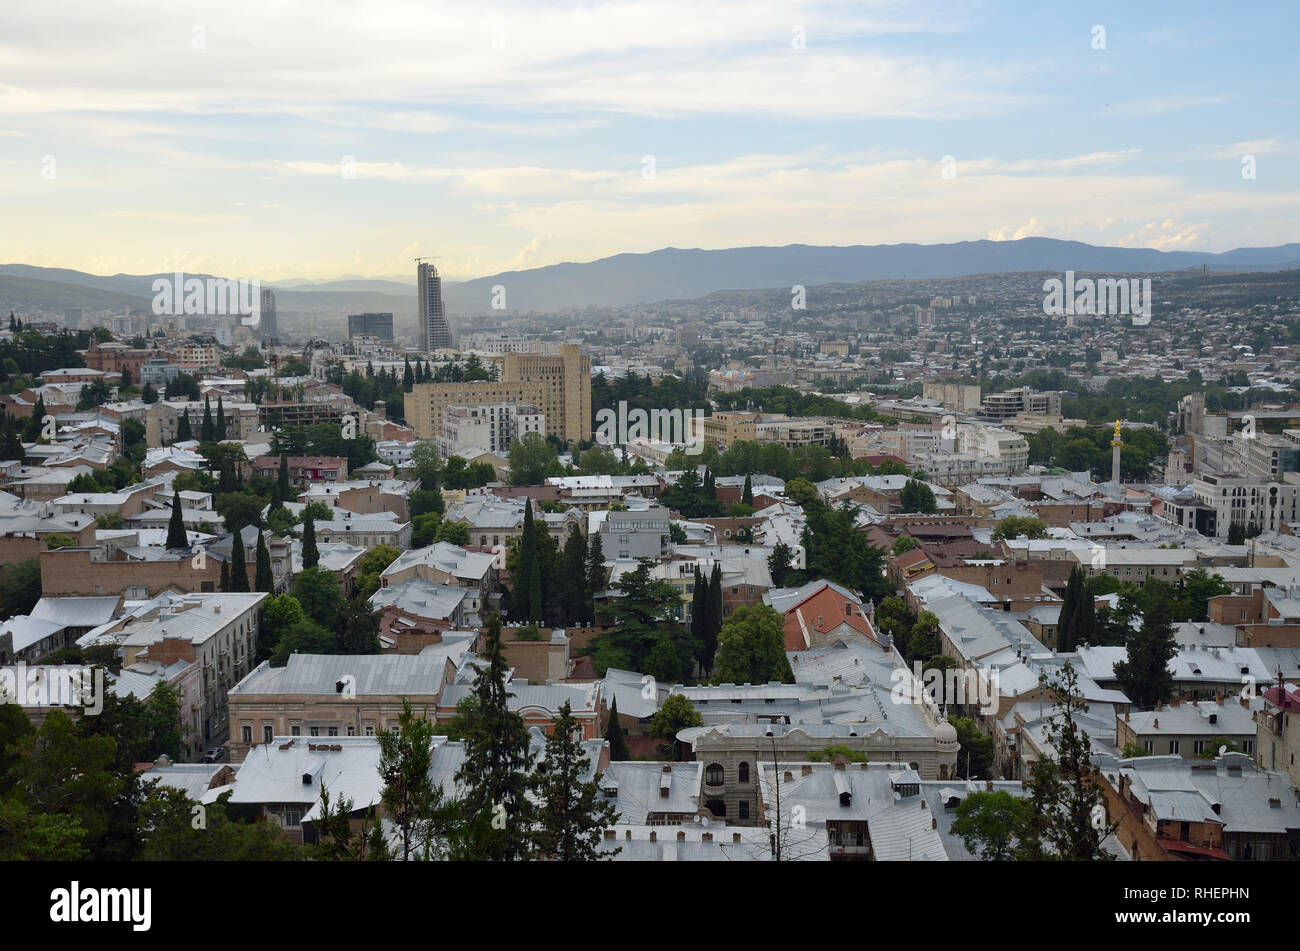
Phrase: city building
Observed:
(434, 332)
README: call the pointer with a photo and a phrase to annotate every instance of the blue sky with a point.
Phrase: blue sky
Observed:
(324, 139)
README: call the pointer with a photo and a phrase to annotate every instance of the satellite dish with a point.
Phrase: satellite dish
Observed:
(1222, 750)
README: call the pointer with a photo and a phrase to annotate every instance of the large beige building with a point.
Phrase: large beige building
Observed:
(559, 385)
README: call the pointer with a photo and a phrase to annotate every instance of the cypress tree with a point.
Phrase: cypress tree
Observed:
(575, 577)
(310, 553)
(176, 537)
(747, 496)
(1065, 625)
(207, 432)
(183, 431)
(614, 733)
(408, 377)
(283, 480)
(225, 576)
(265, 577)
(221, 419)
(595, 574)
(238, 564)
(530, 566)
(709, 641)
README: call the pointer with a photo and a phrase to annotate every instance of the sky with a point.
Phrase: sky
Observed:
(318, 140)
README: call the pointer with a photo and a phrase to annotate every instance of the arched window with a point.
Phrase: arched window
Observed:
(717, 807)
(744, 772)
(713, 774)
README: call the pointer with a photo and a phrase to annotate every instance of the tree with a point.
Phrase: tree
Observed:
(494, 772)
(751, 648)
(1065, 626)
(310, 553)
(304, 637)
(643, 614)
(1195, 591)
(358, 629)
(573, 577)
(614, 734)
(183, 431)
(747, 494)
(149, 394)
(708, 636)
(530, 581)
(318, 591)
(975, 761)
(220, 423)
(596, 577)
(676, 714)
(453, 533)
(176, 537)
(1236, 534)
(532, 459)
(224, 584)
(1144, 674)
(424, 817)
(265, 578)
(279, 614)
(780, 563)
(1015, 526)
(238, 564)
(903, 543)
(162, 715)
(425, 464)
(572, 818)
(58, 540)
(207, 431)
(1067, 819)
(916, 496)
(284, 491)
(990, 824)
(20, 587)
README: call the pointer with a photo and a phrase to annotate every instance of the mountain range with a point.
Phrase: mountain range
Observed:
(667, 274)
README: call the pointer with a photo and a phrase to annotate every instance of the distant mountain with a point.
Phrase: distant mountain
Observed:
(684, 274)
(667, 274)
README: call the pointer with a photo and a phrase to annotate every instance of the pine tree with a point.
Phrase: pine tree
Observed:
(747, 496)
(573, 818)
(614, 733)
(265, 577)
(183, 431)
(207, 432)
(1144, 675)
(176, 537)
(310, 553)
(238, 564)
(221, 420)
(494, 772)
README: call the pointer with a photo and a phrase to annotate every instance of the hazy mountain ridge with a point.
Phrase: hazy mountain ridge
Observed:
(667, 274)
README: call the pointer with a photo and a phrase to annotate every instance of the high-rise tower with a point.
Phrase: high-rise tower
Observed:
(268, 330)
(434, 332)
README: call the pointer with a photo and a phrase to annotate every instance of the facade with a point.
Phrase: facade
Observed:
(636, 534)
(434, 332)
(375, 325)
(490, 426)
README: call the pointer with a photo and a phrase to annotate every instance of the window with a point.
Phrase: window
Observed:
(247, 733)
(315, 731)
(295, 730)
(744, 772)
(266, 733)
(744, 810)
(1173, 746)
(713, 774)
(1149, 746)
(1198, 747)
